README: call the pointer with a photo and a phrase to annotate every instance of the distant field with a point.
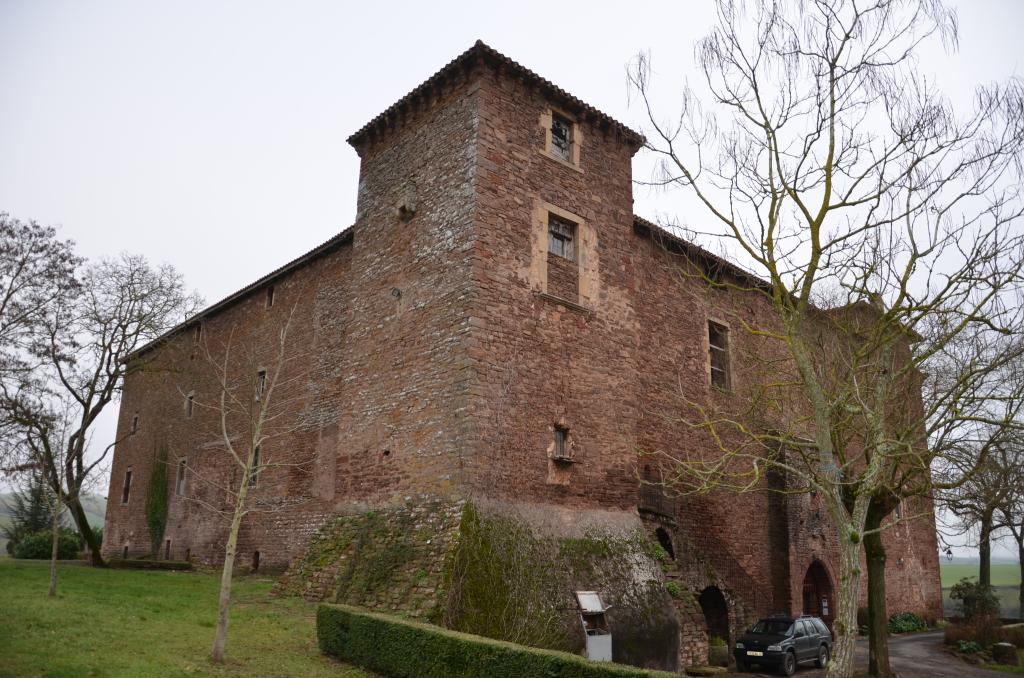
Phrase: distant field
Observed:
(1003, 574)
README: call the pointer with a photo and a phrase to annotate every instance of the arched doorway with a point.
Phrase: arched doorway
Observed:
(716, 613)
(818, 593)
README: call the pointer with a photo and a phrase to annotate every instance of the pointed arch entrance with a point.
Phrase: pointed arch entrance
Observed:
(819, 595)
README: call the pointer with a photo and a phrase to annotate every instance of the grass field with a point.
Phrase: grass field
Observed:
(1003, 574)
(134, 623)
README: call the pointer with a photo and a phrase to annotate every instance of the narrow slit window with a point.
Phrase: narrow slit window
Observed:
(254, 472)
(270, 296)
(126, 489)
(197, 336)
(561, 234)
(135, 424)
(561, 137)
(718, 345)
(179, 485)
(190, 402)
(261, 383)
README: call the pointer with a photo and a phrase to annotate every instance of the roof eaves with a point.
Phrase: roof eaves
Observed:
(318, 251)
(696, 251)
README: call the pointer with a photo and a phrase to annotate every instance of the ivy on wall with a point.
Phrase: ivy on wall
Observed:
(156, 500)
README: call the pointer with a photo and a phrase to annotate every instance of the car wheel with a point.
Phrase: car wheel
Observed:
(743, 666)
(789, 664)
(822, 657)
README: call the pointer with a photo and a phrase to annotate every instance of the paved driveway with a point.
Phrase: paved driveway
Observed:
(918, 655)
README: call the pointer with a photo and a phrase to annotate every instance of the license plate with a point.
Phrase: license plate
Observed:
(752, 653)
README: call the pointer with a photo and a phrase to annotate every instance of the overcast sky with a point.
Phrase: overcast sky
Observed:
(211, 135)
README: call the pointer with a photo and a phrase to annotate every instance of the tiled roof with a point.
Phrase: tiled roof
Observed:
(480, 52)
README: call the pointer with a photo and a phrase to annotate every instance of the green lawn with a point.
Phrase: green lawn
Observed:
(1003, 574)
(134, 623)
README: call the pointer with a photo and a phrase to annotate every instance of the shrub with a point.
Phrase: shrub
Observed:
(716, 641)
(982, 631)
(968, 647)
(905, 623)
(673, 589)
(975, 599)
(38, 545)
(149, 564)
(400, 648)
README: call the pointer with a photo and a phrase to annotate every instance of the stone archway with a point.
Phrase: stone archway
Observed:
(818, 593)
(716, 612)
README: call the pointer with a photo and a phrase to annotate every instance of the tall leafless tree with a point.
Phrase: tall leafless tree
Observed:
(885, 226)
(256, 389)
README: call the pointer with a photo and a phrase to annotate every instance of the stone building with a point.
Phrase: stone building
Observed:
(496, 330)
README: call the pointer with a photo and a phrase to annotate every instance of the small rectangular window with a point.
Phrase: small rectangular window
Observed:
(561, 442)
(561, 233)
(718, 345)
(190, 402)
(254, 472)
(127, 489)
(261, 383)
(179, 485)
(270, 296)
(135, 424)
(197, 335)
(561, 137)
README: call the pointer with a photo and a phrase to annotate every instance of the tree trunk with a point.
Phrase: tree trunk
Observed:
(878, 617)
(224, 604)
(985, 551)
(845, 621)
(54, 543)
(1020, 589)
(82, 523)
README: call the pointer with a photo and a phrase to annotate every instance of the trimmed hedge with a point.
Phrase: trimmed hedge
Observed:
(147, 564)
(407, 649)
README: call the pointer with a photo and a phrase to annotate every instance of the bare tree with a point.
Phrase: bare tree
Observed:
(258, 387)
(884, 228)
(43, 431)
(82, 345)
(36, 270)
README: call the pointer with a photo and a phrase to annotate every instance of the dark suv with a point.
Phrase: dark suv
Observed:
(783, 642)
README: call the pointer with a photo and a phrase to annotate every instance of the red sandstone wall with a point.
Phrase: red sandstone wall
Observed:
(538, 362)
(438, 366)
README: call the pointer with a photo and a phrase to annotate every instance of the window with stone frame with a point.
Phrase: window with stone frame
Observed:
(562, 271)
(718, 348)
(561, 443)
(561, 237)
(562, 132)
